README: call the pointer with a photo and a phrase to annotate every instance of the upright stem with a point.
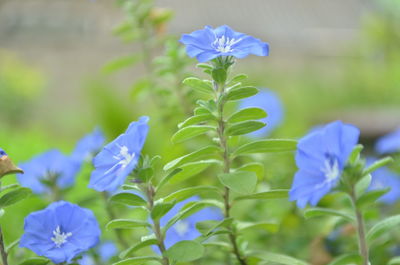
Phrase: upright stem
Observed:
(157, 226)
(4, 254)
(112, 216)
(362, 242)
(227, 165)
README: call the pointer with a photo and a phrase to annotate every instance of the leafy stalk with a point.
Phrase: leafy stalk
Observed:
(156, 225)
(227, 164)
(362, 241)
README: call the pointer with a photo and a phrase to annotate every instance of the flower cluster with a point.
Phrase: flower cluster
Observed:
(321, 157)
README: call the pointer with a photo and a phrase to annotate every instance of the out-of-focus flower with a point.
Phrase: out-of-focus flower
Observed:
(208, 43)
(321, 157)
(49, 168)
(389, 143)
(383, 178)
(118, 158)
(107, 250)
(2, 153)
(86, 260)
(89, 146)
(186, 229)
(271, 104)
(60, 232)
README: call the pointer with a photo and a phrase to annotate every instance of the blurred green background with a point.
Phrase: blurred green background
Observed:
(329, 60)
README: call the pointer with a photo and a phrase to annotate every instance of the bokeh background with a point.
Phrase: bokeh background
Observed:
(328, 60)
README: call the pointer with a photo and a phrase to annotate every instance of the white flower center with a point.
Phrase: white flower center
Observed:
(60, 238)
(331, 169)
(124, 156)
(224, 45)
(181, 228)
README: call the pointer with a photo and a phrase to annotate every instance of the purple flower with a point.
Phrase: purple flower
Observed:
(389, 143)
(60, 232)
(89, 146)
(2, 153)
(208, 43)
(321, 157)
(119, 158)
(48, 167)
(186, 229)
(271, 104)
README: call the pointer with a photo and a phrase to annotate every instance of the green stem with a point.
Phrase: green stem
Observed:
(362, 242)
(156, 226)
(227, 166)
(3, 252)
(112, 216)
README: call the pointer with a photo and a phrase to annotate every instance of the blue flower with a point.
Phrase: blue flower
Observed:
(321, 157)
(2, 153)
(384, 178)
(89, 146)
(389, 143)
(208, 43)
(47, 167)
(60, 232)
(186, 229)
(118, 158)
(107, 250)
(86, 260)
(271, 104)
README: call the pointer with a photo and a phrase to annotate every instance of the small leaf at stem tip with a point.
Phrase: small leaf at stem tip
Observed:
(378, 164)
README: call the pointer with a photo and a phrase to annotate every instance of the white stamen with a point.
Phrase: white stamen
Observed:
(181, 228)
(60, 238)
(331, 170)
(224, 45)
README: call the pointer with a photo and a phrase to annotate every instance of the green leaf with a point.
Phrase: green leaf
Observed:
(183, 194)
(241, 92)
(244, 127)
(201, 111)
(160, 209)
(280, 259)
(382, 227)
(185, 251)
(266, 146)
(8, 187)
(255, 167)
(120, 63)
(355, 154)
(378, 164)
(12, 245)
(203, 86)
(205, 152)
(208, 227)
(167, 178)
(270, 227)
(140, 245)
(192, 169)
(394, 261)
(14, 196)
(191, 208)
(35, 261)
(219, 75)
(247, 114)
(370, 197)
(128, 198)
(126, 224)
(347, 259)
(138, 260)
(316, 212)
(238, 78)
(363, 184)
(2, 212)
(266, 195)
(243, 182)
(190, 132)
(204, 66)
(196, 120)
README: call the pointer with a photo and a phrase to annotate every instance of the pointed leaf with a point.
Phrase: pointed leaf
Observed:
(192, 169)
(138, 260)
(266, 195)
(241, 92)
(244, 127)
(189, 132)
(183, 194)
(196, 120)
(126, 224)
(140, 245)
(128, 198)
(247, 114)
(266, 146)
(203, 86)
(316, 212)
(242, 182)
(382, 227)
(347, 259)
(185, 251)
(14, 196)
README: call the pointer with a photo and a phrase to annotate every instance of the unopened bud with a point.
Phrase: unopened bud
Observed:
(8, 167)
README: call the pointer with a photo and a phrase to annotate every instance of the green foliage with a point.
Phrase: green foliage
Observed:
(14, 196)
(266, 146)
(241, 182)
(186, 250)
(128, 199)
(35, 261)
